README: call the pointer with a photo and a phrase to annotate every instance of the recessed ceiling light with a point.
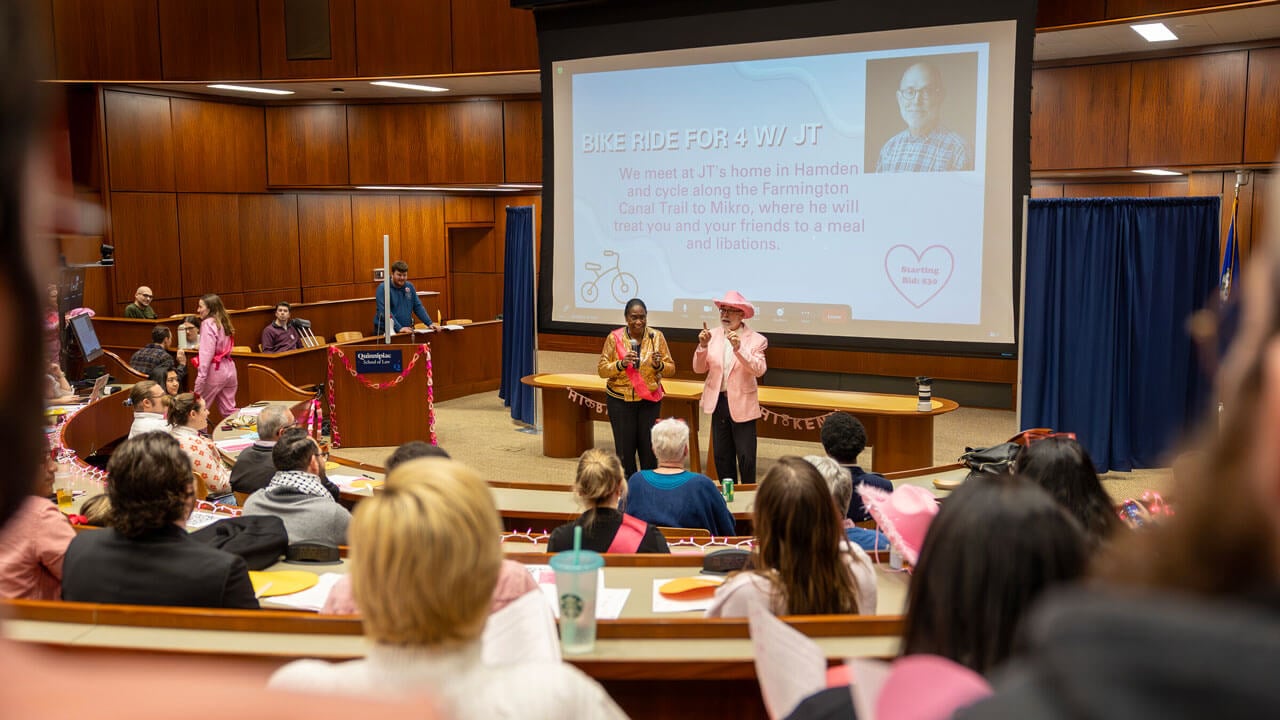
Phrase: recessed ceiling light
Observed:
(1154, 32)
(246, 88)
(409, 86)
(1157, 171)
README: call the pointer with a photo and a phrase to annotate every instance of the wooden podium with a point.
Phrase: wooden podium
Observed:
(370, 417)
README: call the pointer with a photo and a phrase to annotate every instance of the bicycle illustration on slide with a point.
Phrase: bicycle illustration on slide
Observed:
(622, 287)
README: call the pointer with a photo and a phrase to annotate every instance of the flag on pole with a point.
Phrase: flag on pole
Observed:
(1230, 257)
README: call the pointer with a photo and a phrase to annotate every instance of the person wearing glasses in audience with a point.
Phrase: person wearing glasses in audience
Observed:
(634, 360)
(601, 487)
(732, 357)
(254, 466)
(188, 416)
(925, 146)
(147, 400)
(140, 308)
(670, 495)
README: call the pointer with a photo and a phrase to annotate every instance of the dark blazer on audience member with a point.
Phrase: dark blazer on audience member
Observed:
(254, 469)
(599, 535)
(164, 567)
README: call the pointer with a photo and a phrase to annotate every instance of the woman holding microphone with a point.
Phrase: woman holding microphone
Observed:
(732, 356)
(634, 360)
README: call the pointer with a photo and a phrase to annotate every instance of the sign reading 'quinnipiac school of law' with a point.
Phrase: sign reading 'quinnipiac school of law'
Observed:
(379, 361)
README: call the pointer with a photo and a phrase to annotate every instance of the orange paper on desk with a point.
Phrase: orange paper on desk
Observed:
(281, 582)
(690, 588)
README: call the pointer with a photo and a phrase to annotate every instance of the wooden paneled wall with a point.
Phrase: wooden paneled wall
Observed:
(245, 39)
(191, 209)
(1182, 111)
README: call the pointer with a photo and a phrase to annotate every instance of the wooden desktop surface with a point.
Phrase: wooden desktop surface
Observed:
(901, 435)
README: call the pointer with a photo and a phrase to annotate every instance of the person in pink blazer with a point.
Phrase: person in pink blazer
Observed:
(732, 356)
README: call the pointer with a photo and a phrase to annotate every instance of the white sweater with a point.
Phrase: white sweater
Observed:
(457, 684)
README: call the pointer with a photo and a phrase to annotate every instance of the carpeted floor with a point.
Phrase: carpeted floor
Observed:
(479, 431)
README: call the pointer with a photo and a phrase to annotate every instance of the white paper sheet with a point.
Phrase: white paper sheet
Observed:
(789, 665)
(523, 631)
(609, 601)
(663, 604)
(310, 599)
(233, 445)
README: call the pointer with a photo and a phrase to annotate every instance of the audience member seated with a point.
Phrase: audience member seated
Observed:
(670, 495)
(413, 450)
(280, 335)
(434, 529)
(254, 467)
(513, 579)
(903, 517)
(843, 440)
(1063, 467)
(802, 564)
(295, 494)
(155, 355)
(841, 486)
(1180, 619)
(190, 330)
(148, 402)
(140, 308)
(33, 544)
(146, 557)
(59, 391)
(600, 487)
(166, 378)
(994, 548)
(97, 510)
(188, 417)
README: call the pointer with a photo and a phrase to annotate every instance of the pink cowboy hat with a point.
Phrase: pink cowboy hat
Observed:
(733, 299)
(903, 515)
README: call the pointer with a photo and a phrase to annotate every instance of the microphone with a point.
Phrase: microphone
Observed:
(635, 348)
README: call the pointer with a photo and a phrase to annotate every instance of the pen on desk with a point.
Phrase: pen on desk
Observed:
(367, 475)
(262, 591)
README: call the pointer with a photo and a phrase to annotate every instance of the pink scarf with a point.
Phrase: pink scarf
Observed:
(633, 373)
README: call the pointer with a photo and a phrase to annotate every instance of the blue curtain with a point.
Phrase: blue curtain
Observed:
(1110, 284)
(517, 316)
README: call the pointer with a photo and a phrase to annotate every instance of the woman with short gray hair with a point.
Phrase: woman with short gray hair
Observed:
(670, 495)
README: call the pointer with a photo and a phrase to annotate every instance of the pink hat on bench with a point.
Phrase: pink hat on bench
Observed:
(903, 516)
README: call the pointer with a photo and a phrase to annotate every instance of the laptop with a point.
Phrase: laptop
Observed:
(98, 384)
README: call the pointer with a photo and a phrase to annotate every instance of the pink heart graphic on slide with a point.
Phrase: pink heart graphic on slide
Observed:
(919, 276)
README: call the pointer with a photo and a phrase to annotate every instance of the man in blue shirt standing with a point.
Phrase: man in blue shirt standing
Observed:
(404, 302)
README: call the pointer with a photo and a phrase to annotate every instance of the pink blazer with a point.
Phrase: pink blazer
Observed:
(745, 366)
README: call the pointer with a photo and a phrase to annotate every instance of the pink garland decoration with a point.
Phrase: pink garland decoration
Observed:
(422, 351)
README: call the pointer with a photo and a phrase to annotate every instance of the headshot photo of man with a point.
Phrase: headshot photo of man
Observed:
(927, 143)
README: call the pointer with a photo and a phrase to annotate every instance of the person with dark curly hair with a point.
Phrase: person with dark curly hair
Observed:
(844, 439)
(147, 557)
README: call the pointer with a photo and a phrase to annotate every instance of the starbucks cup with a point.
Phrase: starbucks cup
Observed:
(576, 582)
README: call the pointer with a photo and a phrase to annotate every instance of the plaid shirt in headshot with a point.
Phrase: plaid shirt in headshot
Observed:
(939, 151)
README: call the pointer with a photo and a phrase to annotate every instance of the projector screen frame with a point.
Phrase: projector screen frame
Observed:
(602, 29)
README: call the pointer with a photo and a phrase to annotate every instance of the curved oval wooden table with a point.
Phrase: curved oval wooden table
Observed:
(901, 435)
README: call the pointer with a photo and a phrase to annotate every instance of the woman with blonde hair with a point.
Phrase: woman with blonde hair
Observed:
(425, 556)
(601, 487)
(802, 564)
(216, 374)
